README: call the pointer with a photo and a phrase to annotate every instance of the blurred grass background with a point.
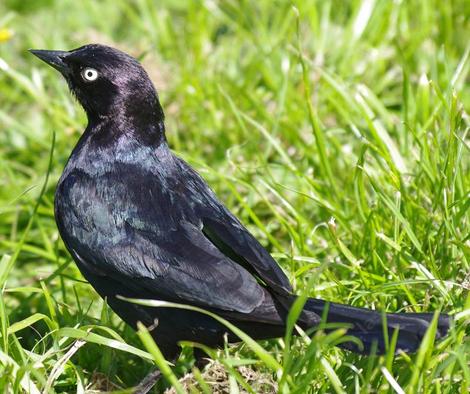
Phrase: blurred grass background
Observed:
(338, 132)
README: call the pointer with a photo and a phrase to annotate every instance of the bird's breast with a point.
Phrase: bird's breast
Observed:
(103, 204)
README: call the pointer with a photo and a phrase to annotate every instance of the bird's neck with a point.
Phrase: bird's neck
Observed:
(97, 151)
(144, 127)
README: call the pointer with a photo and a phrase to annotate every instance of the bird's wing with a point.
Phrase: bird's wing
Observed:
(128, 227)
(235, 241)
(232, 238)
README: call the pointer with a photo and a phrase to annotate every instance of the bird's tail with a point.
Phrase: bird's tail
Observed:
(368, 326)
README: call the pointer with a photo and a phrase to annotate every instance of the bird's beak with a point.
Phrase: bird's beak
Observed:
(53, 58)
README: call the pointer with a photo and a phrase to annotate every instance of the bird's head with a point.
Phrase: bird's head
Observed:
(108, 83)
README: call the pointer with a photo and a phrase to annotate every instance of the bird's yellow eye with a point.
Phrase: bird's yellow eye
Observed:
(89, 74)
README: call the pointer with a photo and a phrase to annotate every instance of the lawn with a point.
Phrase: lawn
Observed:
(337, 131)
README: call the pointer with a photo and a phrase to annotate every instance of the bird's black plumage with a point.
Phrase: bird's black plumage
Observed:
(140, 222)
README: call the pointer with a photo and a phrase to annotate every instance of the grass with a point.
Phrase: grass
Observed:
(338, 132)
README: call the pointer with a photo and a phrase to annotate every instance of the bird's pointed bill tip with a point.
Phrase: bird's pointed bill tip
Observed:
(53, 58)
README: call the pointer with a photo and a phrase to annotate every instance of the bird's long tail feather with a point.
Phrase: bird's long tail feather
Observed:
(368, 326)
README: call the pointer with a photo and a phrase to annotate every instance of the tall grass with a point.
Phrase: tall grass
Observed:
(338, 132)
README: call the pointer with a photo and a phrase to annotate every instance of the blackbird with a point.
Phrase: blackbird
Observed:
(141, 223)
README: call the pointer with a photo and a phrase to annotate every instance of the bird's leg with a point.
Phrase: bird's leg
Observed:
(201, 359)
(148, 382)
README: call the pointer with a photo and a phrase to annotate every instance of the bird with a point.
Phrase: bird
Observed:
(141, 223)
